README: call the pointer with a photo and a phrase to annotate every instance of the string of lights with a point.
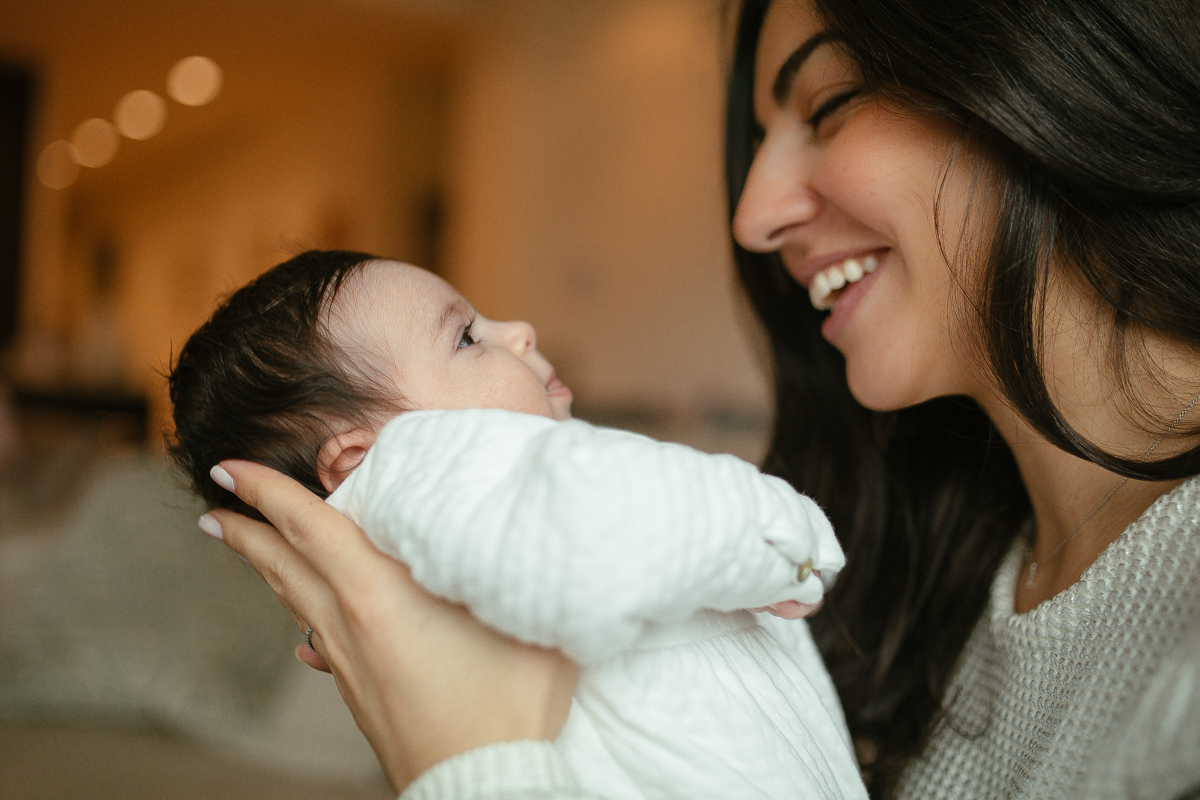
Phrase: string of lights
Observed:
(139, 115)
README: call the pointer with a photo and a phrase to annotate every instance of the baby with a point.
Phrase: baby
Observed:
(637, 558)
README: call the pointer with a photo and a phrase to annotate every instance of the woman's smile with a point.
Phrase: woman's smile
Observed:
(837, 281)
(832, 282)
(856, 278)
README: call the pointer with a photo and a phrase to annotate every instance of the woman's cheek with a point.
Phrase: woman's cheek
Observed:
(879, 351)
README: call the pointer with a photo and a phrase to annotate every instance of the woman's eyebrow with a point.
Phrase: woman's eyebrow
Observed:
(782, 86)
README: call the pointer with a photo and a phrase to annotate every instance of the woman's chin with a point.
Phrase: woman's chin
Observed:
(875, 392)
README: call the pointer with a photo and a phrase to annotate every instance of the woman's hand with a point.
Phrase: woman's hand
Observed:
(424, 679)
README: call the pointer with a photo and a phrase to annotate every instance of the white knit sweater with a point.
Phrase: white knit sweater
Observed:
(1094, 694)
(1064, 699)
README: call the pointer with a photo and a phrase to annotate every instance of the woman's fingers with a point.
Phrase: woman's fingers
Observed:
(312, 658)
(333, 545)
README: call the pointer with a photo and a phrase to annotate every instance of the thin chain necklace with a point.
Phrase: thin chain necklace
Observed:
(1033, 565)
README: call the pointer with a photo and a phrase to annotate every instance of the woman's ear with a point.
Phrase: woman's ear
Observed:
(341, 453)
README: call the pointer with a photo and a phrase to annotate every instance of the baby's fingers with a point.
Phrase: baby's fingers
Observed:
(332, 544)
(793, 609)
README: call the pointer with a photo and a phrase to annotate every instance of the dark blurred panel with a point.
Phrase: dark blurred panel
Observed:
(431, 214)
(16, 98)
(113, 410)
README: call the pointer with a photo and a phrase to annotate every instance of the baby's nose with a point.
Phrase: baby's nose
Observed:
(521, 336)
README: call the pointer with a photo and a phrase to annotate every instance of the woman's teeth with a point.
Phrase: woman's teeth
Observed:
(835, 277)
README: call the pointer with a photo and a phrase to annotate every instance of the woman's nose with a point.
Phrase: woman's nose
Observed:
(519, 336)
(776, 198)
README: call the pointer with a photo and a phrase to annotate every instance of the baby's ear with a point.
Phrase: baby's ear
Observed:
(341, 453)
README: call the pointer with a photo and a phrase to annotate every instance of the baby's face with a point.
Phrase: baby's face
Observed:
(440, 352)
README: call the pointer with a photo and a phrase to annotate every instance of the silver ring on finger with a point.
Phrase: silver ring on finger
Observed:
(308, 638)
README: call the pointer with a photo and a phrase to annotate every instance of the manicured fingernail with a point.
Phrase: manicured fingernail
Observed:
(223, 478)
(208, 523)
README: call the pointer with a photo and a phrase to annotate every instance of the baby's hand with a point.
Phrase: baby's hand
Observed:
(794, 609)
(791, 609)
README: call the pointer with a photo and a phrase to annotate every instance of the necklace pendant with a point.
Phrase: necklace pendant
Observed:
(1032, 575)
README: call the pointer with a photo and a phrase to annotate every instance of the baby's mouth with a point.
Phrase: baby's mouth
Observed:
(829, 284)
(554, 385)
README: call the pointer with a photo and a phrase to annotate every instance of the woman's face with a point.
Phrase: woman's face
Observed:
(845, 189)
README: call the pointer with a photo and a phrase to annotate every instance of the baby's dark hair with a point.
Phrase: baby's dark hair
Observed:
(262, 381)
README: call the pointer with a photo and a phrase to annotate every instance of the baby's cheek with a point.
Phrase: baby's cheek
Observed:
(527, 402)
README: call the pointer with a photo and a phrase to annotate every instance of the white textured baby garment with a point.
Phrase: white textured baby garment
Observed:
(636, 558)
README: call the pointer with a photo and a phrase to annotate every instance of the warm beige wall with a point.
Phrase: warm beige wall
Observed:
(323, 136)
(316, 174)
(577, 143)
(587, 180)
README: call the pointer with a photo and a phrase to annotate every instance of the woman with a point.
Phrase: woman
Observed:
(1001, 205)
(986, 157)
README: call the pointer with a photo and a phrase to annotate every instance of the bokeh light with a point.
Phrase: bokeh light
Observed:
(140, 114)
(57, 166)
(194, 81)
(95, 142)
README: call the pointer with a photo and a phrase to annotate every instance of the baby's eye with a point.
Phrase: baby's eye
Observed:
(466, 340)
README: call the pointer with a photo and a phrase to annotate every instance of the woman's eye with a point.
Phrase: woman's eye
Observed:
(830, 106)
(466, 340)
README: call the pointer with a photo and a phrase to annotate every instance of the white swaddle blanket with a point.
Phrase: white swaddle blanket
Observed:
(636, 558)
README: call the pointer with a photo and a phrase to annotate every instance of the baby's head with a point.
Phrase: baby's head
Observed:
(301, 368)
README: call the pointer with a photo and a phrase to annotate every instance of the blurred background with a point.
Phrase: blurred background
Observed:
(559, 161)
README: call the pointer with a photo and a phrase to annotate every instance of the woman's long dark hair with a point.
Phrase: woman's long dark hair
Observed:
(1088, 111)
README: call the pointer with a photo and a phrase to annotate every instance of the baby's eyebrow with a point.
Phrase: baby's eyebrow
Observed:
(444, 318)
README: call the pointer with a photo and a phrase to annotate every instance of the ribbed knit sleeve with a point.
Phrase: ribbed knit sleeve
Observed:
(576, 537)
(524, 770)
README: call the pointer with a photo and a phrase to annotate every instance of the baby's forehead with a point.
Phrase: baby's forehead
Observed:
(388, 301)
